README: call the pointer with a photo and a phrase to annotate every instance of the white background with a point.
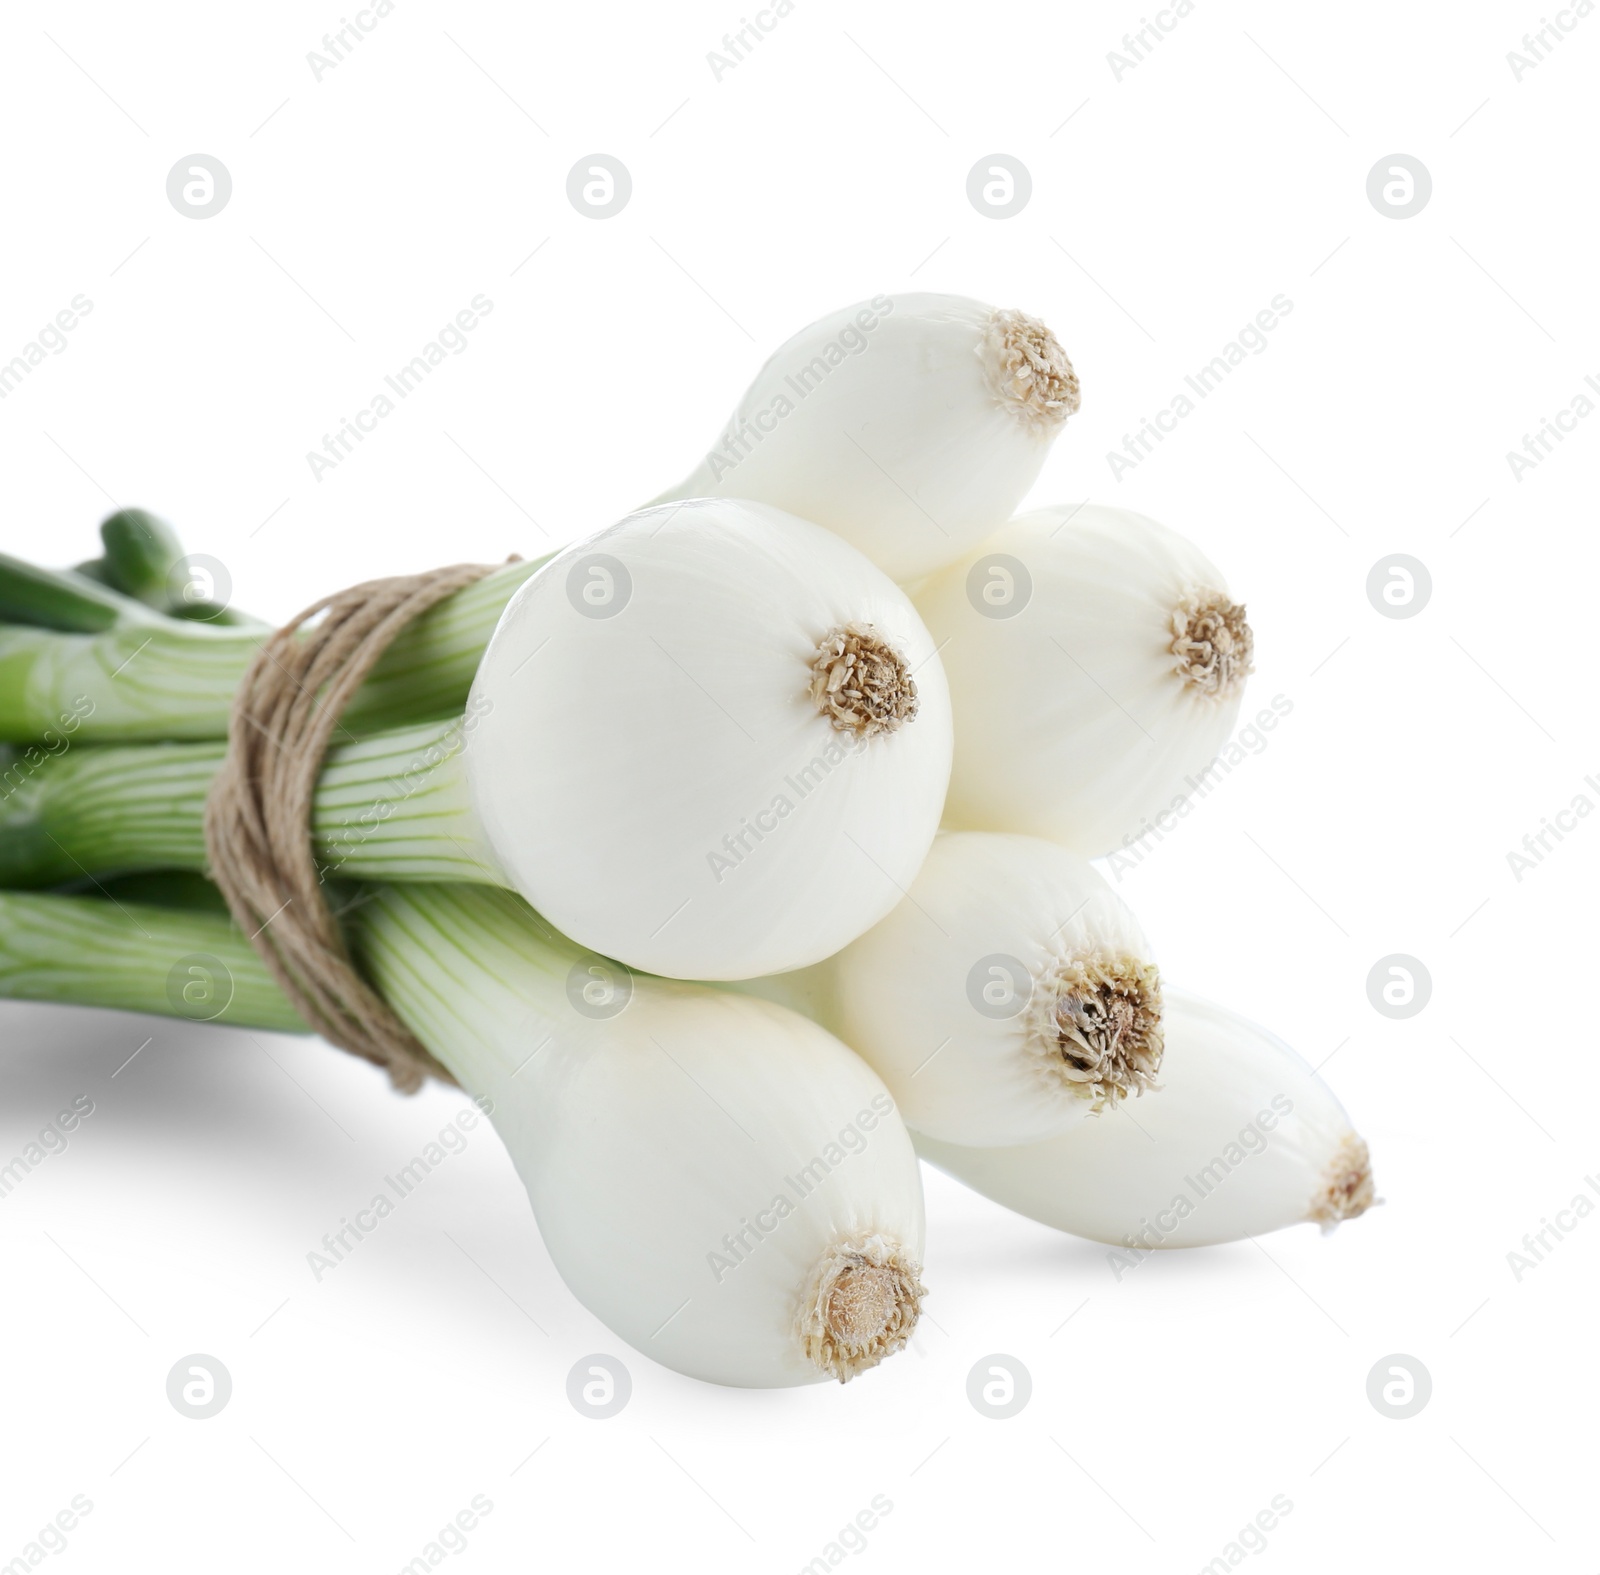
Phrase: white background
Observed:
(1168, 208)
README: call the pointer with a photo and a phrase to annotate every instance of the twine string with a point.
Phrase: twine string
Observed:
(258, 811)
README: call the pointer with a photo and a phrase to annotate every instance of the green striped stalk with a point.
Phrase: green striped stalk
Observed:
(64, 599)
(165, 679)
(90, 951)
(437, 949)
(438, 952)
(393, 806)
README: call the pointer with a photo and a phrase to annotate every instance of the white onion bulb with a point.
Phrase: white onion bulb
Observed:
(912, 425)
(718, 1180)
(713, 741)
(1242, 1138)
(1095, 660)
(1008, 996)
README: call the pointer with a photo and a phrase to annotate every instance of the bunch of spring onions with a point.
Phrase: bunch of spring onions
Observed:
(733, 857)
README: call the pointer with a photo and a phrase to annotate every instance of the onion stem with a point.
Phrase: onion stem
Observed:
(160, 678)
(393, 806)
(63, 600)
(92, 951)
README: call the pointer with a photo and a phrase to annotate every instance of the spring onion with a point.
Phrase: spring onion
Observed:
(735, 772)
(1095, 660)
(1243, 1138)
(1009, 996)
(721, 1182)
(712, 741)
(912, 425)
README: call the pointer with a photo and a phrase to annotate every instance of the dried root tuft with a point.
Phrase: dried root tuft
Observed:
(1095, 1024)
(862, 1303)
(1212, 644)
(1347, 1191)
(1029, 370)
(861, 683)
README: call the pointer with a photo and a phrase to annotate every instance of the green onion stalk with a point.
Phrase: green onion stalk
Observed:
(82, 663)
(392, 806)
(136, 957)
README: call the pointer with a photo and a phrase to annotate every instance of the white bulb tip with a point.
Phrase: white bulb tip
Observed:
(1346, 1191)
(1029, 370)
(1212, 645)
(862, 1303)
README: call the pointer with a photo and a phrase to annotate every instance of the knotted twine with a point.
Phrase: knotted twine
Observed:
(258, 811)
